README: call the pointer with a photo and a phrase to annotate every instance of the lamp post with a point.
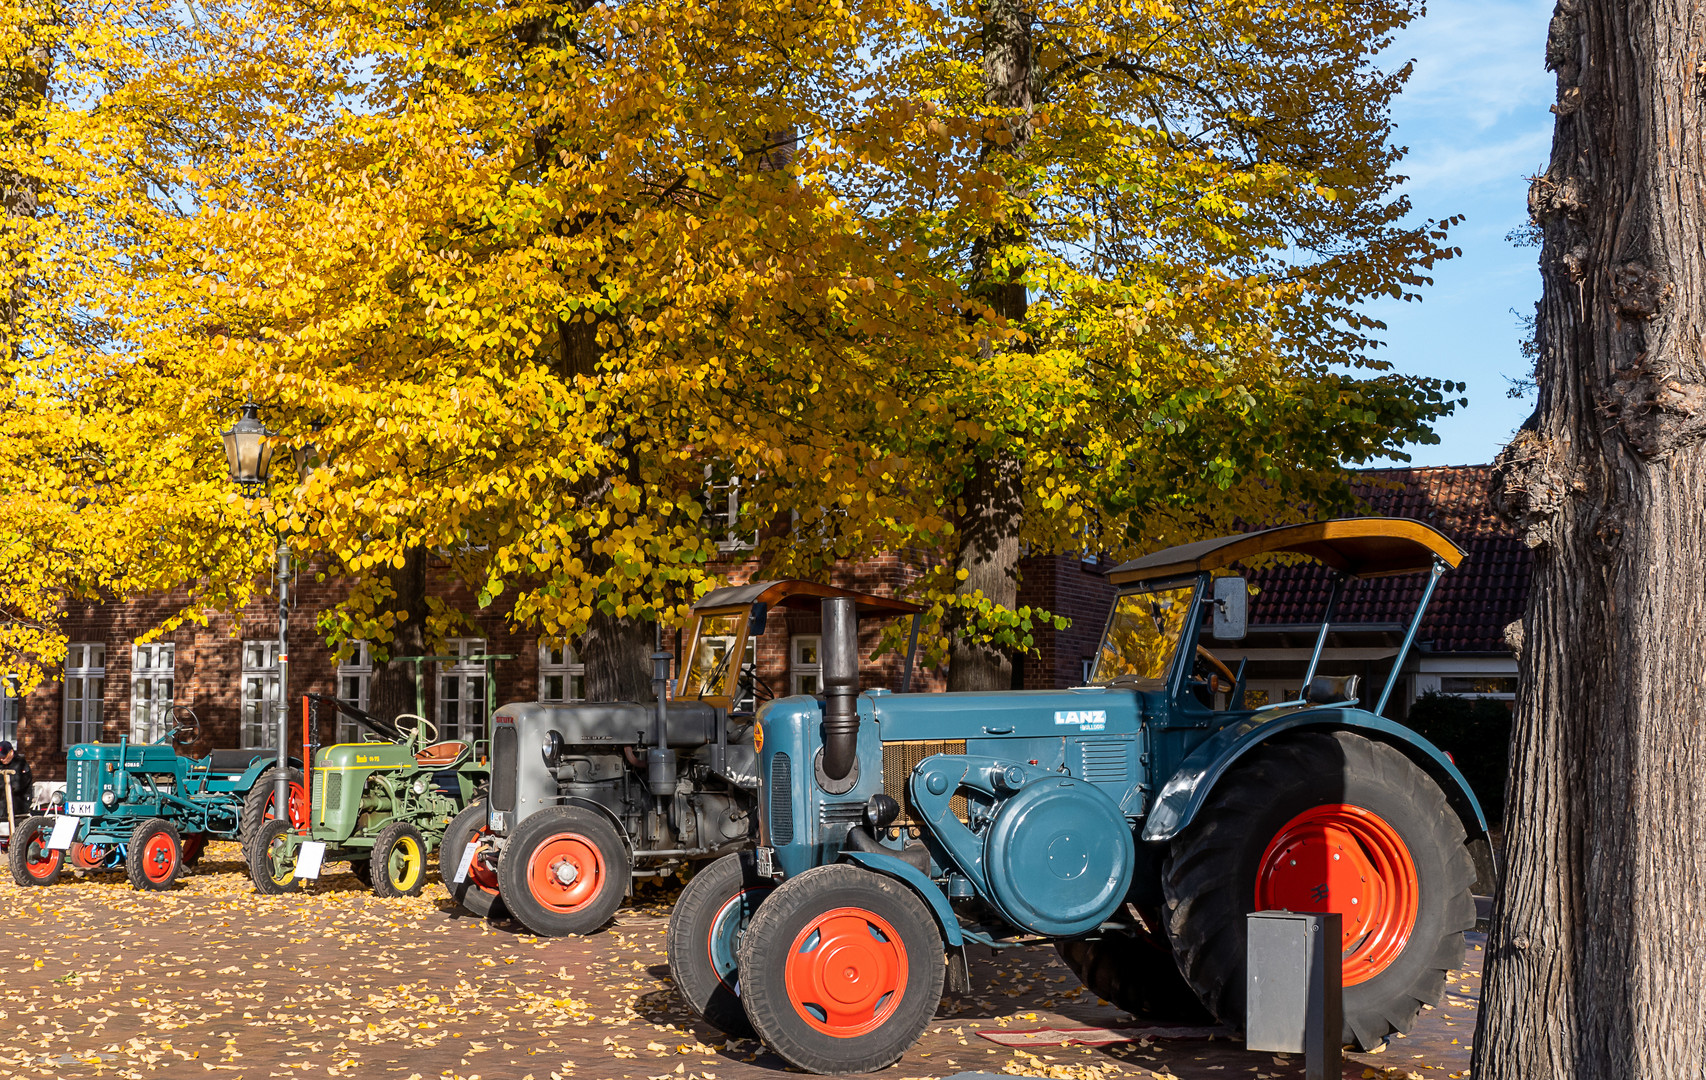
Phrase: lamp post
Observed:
(248, 452)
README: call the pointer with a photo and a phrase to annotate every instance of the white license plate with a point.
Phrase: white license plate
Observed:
(80, 809)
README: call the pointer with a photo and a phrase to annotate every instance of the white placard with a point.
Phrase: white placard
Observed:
(463, 864)
(64, 832)
(309, 857)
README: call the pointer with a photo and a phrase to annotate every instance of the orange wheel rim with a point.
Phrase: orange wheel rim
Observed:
(158, 857)
(40, 860)
(88, 856)
(481, 876)
(846, 972)
(1344, 859)
(566, 872)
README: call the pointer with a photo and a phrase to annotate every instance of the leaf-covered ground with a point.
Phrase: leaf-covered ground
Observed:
(211, 979)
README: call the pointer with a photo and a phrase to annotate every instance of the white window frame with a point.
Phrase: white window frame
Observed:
(153, 689)
(461, 712)
(83, 715)
(11, 709)
(354, 674)
(562, 676)
(805, 675)
(260, 694)
(722, 507)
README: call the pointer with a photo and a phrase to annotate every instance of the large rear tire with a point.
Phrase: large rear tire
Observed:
(1133, 971)
(258, 804)
(841, 970)
(705, 931)
(32, 861)
(478, 894)
(1326, 822)
(564, 871)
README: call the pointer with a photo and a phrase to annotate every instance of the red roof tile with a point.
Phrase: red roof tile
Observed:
(1473, 603)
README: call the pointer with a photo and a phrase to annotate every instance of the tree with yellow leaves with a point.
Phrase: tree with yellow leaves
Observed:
(926, 275)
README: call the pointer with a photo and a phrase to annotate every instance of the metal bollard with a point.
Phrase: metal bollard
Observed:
(1294, 992)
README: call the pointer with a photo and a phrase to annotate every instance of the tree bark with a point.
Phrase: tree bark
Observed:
(392, 689)
(23, 85)
(1596, 964)
(988, 553)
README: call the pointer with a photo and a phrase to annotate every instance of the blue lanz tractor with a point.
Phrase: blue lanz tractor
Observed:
(149, 810)
(1134, 823)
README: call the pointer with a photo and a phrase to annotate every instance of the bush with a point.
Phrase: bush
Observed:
(1476, 732)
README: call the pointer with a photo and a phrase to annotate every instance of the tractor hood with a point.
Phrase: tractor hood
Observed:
(373, 755)
(1005, 713)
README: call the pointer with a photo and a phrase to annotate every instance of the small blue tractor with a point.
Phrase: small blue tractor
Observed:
(1134, 823)
(586, 797)
(149, 810)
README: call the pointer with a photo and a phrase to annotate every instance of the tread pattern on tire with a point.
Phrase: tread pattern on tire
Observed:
(255, 855)
(378, 866)
(512, 871)
(1131, 971)
(690, 921)
(18, 847)
(473, 899)
(135, 867)
(1205, 911)
(255, 803)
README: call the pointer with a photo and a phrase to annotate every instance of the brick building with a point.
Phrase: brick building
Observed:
(227, 670)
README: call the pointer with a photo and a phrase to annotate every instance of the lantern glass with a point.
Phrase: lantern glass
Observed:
(248, 448)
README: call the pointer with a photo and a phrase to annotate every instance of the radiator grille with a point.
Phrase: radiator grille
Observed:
(82, 780)
(505, 761)
(334, 792)
(899, 759)
(781, 800)
(1104, 762)
(840, 813)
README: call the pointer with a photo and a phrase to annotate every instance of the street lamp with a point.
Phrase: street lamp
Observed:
(248, 452)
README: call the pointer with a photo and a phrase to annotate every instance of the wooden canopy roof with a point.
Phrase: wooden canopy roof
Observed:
(790, 592)
(1364, 547)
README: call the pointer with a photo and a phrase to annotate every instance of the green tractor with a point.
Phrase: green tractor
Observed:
(380, 805)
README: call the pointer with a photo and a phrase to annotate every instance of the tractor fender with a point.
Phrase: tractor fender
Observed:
(1188, 788)
(913, 878)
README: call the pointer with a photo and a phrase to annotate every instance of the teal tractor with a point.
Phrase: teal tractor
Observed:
(380, 805)
(1134, 823)
(149, 810)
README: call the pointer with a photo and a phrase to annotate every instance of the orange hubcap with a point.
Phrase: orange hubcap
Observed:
(565, 872)
(157, 857)
(41, 860)
(1344, 859)
(481, 876)
(846, 972)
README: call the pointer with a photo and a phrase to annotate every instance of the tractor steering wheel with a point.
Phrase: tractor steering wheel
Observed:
(422, 727)
(184, 720)
(761, 690)
(1211, 683)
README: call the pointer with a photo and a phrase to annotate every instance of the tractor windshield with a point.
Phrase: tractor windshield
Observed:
(1142, 636)
(714, 644)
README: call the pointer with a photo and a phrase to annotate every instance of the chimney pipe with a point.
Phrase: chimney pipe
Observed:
(840, 686)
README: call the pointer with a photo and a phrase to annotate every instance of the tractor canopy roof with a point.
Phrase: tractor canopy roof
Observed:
(1361, 547)
(790, 592)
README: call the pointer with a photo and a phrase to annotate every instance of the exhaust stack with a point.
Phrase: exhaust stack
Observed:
(840, 687)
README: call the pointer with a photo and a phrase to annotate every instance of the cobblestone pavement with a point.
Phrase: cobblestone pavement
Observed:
(210, 979)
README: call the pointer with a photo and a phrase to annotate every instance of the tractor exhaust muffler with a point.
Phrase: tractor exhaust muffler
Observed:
(840, 687)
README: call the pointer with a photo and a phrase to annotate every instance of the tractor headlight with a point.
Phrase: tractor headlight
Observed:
(108, 798)
(420, 785)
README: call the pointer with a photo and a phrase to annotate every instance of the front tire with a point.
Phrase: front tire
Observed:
(841, 970)
(32, 861)
(272, 861)
(155, 856)
(477, 895)
(1326, 822)
(705, 931)
(1133, 971)
(564, 871)
(399, 863)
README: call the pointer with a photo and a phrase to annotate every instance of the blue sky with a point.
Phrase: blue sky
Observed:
(1475, 117)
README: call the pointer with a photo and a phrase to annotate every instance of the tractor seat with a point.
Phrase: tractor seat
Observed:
(441, 755)
(230, 761)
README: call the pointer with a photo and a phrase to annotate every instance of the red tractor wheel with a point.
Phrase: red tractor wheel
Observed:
(32, 861)
(705, 931)
(1326, 822)
(258, 804)
(841, 970)
(90, 858)
(478, 892)
(195, 844)
(155, 856)
(564, 871)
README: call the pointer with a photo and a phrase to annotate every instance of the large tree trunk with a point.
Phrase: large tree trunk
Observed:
(23, 86)
(1596, 965)
(988, 554)
(392, 689)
